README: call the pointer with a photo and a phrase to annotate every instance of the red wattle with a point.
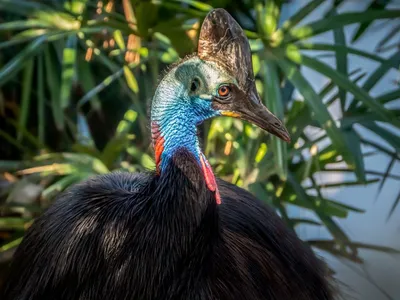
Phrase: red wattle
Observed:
(210, 178)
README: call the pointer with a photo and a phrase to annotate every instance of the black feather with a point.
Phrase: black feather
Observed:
(142, 236)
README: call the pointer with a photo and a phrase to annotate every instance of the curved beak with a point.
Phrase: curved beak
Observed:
(250, 108)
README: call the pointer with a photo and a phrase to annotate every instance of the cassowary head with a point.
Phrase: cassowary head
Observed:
(218, 80)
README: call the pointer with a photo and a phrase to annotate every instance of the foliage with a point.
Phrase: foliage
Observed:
(77, 77)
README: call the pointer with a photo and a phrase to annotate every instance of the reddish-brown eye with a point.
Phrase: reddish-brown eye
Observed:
(224, 90)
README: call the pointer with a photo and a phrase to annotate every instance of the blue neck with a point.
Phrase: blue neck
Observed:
(175, 116)
(178, 130)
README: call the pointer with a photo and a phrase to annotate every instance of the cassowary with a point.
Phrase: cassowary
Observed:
(178, 232)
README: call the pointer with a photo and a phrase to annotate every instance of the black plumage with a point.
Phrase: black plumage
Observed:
(142, 236)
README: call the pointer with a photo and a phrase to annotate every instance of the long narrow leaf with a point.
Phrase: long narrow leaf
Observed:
(385, 175)
(394, 206)
(68, 70)
(342, 49)
(320, 110)
(41, 100)
(22, 24)
(17, 63)
(388, 97)
(54, 87)
(364, 26)
(331, 225)
(389, 137)
(301, 14)
(26, 97)
(273, 101)
(377, 75)
(345, 83)
(338, 21)
(341, 59)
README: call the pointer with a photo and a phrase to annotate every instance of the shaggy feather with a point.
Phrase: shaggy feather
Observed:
(141, 236)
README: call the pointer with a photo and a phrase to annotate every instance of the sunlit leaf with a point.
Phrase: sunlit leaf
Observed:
(68, 70)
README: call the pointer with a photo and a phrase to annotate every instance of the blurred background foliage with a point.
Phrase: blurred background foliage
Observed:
(77, 78)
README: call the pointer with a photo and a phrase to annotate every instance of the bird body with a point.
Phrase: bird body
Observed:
(176, 232)
(144, 236)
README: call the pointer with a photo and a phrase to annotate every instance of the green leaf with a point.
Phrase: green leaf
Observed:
(22, 24)
(330, 100)
(62, 184)
(131, 80)
(301, 14)
(380, 148)
(331, 225)
(298, 118)
(389, 137)
(13, 223)
(341, 59)
(385, 175)
(12, 244)
(354, 143)
(377, 75)
(388, 97)
(392, 62)
(114, 148)
(336, 250)
(85, 75)
(345, 206)
(26, 134)
(343, 50)
(270, 18)
(368, 172)
(394, 205)
(364, 26)
(26, 94)
(53, 84)
(300, 221)
(41, 100)
(338, 21)
(196, 4)
(22, 7)
(342, 81)
(287, 92)
(320, 110)
(18, 61)
(357, 245)
(146, 14)
(91, 95)
(68, 70)
(272, 98)
(119, 39)
(388, 37)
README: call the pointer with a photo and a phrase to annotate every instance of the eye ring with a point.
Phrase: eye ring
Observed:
(224, 91)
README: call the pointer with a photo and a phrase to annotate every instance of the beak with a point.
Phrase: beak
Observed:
(251, 109)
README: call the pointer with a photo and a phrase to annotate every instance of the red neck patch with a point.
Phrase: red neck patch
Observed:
(158, 144)
(209, 177)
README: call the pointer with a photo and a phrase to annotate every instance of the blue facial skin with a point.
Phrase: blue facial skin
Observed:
(183, 101)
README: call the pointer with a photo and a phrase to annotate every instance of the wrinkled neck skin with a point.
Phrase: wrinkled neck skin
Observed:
(175, 116)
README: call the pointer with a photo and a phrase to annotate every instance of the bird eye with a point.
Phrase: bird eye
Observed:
(195, 85)
(224, 90)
